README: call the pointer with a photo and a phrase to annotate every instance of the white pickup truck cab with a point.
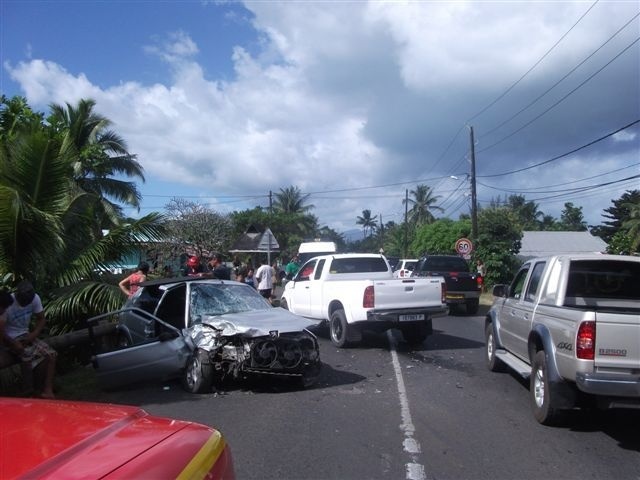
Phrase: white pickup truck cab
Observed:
(356, 291)
(571, 324)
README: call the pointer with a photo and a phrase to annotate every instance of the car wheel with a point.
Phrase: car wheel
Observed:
(473, 306)
(493, 363)
(197, 376)
(339, 330)
(415, 334)
(283, 304)
(543, 402)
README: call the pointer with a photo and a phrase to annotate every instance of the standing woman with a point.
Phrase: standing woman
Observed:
(130, 284)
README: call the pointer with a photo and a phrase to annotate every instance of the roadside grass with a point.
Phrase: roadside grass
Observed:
(486, 298)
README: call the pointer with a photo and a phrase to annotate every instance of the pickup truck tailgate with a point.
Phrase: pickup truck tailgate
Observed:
(408, 293)
(617, 340)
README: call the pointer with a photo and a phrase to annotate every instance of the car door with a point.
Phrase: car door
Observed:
(301, 291)
(522, 320)
(513, 311)
(315, 295)
(163, 355)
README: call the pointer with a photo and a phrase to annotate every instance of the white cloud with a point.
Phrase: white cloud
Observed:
(362, 94)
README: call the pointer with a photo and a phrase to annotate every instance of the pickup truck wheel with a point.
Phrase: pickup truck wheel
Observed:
(473, 306)
(339, 329)
(197, 376)
(494, 364)
(542, 400)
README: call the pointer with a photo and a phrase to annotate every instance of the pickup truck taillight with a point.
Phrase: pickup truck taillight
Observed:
(443, 298)
(586, 341)
(369, 297)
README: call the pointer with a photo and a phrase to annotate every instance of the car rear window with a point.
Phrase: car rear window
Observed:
(604, 279)
(359, 265)
(443, 264)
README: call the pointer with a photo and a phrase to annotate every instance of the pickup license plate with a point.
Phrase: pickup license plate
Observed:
(411, 318)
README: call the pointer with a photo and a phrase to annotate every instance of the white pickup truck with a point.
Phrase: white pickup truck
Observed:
(571, 323)
(353, 292)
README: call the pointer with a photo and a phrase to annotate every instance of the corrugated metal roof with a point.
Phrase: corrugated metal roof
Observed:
(541, 244)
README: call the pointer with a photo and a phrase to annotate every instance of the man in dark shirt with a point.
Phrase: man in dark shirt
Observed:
(217, 269)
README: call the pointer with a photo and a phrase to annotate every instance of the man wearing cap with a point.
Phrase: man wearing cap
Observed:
(217, 269)
(23, 342)
(193, 268)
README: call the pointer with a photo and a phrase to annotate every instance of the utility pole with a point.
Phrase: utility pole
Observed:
(269, 234)
(381, 234)
(406, 214)
(474, 201)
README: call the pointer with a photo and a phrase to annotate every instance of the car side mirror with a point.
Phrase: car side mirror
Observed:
(499, 290)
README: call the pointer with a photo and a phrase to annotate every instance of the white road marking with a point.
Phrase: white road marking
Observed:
(415, 470)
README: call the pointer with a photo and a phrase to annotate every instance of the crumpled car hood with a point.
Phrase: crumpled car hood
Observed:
(258, 323)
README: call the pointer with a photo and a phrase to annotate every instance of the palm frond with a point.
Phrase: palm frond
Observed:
(70, 307)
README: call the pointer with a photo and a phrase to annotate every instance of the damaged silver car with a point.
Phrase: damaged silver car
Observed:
(203, 330)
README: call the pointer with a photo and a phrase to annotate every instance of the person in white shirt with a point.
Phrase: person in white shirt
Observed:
(264, 277)
(24, 342)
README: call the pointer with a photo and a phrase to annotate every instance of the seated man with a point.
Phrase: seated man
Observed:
(15, 333)
(6, 357)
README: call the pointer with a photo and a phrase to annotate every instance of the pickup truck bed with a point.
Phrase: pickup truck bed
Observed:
(463, 286)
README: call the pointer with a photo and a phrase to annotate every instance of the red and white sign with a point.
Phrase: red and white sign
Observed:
(464, 247)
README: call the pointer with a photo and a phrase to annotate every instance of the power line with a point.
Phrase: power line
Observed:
(534, 66)
(583, 189)
(564, 154)
(562, 79)
(537, 189)
(544, 112)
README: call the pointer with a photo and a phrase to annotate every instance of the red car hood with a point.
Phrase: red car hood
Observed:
(73, 440)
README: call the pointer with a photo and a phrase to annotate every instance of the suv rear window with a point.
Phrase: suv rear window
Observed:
(359, 265)
(442, 264)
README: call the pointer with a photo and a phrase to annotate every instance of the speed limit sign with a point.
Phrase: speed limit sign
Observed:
(464, 246)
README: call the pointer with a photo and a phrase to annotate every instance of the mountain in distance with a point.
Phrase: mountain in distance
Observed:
(352, 235)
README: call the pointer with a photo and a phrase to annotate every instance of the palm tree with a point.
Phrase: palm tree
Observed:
(48, 230)
(421, 204)
(291, 200)
(528, 214)
(632, 224)
(367, 221)
(97, 155)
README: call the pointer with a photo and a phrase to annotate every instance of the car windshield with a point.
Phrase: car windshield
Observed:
(220, 299)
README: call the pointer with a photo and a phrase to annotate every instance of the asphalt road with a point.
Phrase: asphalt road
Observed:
(384, 411)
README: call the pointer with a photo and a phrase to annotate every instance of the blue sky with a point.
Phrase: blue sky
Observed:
(353, 102)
